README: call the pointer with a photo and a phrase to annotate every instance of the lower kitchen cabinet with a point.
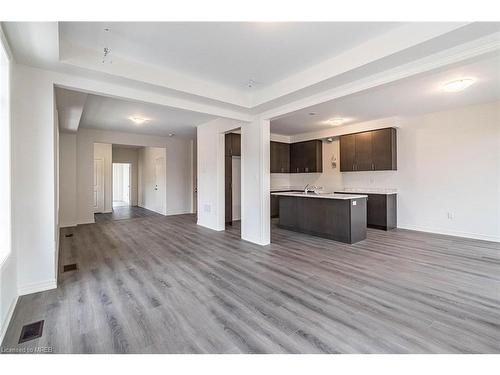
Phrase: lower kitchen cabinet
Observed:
(381, 210)
(275, 206)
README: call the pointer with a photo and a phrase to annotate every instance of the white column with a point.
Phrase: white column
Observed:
(255, 182)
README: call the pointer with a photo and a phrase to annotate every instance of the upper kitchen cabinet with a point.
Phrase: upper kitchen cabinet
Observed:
(373, 150)
(384, 156)
(232, 144)
(280, 157)
(306, 157)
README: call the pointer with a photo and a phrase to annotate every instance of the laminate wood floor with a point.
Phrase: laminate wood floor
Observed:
(125, 212)
(158, 284)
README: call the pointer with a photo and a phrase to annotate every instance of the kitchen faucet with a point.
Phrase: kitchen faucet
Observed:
(313, 188)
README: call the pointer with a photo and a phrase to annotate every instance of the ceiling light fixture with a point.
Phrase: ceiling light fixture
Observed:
(138, 120)
(335, 121)
(458, 85)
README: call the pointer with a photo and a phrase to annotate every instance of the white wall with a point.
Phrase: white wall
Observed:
(151, 199)
(33, 179)
(103, 151)
(210, 168)
(129, 155)
(255, 182)
(67, 173)
(8, 264)
(448, 162)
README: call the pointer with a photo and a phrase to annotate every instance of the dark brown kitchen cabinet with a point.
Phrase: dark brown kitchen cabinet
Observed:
(232, 144)
(275, 206)
(280, 157)
(381, 210)
(297, 159)
(373, 150)
(384, 149)
(306, 157)
(347, 153)
(363, 151)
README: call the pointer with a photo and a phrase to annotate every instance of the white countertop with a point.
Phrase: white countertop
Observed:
(322, 195)
(369, 191)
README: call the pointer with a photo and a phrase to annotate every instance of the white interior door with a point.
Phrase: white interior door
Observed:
(98, 185)
(159, 188)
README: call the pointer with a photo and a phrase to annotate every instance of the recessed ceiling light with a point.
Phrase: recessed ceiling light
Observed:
(138, 120)
(458, 85)
(336, 121)
(171, 134)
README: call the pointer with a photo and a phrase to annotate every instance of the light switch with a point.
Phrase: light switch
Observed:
(354, 203)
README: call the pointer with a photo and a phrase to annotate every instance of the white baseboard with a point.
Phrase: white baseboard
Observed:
(6, 322)
(152, 209)
(210, 227)
(68, 225)
(37, 287)
(475, 236)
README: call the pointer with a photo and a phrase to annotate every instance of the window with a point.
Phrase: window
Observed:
(5, 207)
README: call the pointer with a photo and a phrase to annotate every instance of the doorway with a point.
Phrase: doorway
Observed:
(121, 184)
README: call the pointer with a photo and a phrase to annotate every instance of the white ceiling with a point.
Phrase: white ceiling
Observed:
(205, 67)
(229, 53)
(417, 95)
(111, 114)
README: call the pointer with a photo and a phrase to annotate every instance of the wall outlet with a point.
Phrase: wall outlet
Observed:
(449, 215)
(207, 208)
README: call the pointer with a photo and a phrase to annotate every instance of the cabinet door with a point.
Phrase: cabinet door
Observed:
(384, 149)
(363, 151)
(275, 158)
(312, 152)
(308, 156)
(275, 208)
(297, 157)
(347, 153)
(284, 153)
(236, 144)
(318, 157)
(376, 210)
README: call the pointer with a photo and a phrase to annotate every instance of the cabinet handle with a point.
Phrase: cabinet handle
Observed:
(282, 169)
(297, 169)
(307, 169)
(373, 167)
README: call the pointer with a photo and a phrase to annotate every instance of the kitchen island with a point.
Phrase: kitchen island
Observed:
(340, 217)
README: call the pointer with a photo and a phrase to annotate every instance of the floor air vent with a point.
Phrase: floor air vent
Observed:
(69, 235)
(70, 267)
(31, 331)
